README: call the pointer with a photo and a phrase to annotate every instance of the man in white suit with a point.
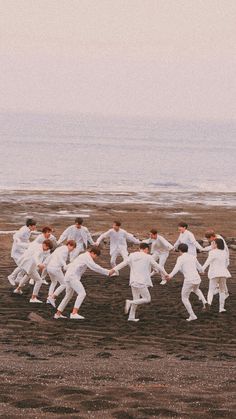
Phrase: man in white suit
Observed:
(79, 234)
(188, 238)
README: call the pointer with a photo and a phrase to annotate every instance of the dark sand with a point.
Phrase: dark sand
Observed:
(105, 367)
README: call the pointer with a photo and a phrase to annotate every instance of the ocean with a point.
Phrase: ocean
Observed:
(98, 154)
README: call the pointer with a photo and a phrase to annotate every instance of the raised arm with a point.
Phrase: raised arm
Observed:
(103, 236)
(131, 238)
(89, 238)
(176, 269)
(195, 243)
(157, 267)
(63, 236)
(208, 261)
(166, 243)
(97, 268)
(122, 265)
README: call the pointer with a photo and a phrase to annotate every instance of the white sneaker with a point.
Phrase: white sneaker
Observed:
(191, 318)
(222, 310)
(31, 281)
(133, 320)
(45, 282)
(163, 282)
(127, 306)
(35, 300)
(51, 300)
(11, 280)
(76, 316)
(59, 316)
(17, 291)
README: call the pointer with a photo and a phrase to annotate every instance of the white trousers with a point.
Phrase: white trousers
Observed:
(56, 275)
(223, 290)
(37, 279)
(79, 249)
(140, 296)
(186, 291)
(161, 257)
(118, 252)
(74, 285)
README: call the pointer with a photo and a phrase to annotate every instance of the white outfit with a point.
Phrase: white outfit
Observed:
(118, 243)
(73, 276)
(80, 235)
(141, 265)
(40, 239)
(160, 249)
(20, 243)
(217, 274)
(57, 262)
(29, 263)
(226, 249)
(188, 238)
(189, 266)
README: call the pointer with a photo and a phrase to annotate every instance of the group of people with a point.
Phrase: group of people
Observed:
(65, 260)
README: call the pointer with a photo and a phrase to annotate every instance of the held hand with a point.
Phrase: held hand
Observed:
(167, 277)
(111, 272)
(41, 267)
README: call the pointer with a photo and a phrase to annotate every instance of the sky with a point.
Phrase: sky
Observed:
(151, 58)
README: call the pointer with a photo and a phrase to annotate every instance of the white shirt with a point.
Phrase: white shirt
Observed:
(159, 245)
(58, 258)
(189, 266)
(141, 265)
(20, 241)
(33, 257)
(188, 238)
(118, 239)
(40, 239)
(217, 262)
(79, 265)
(80, 235)
(226, 249)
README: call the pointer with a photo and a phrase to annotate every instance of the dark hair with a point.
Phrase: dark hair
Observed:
(95, 250)
(71, 243)
(79, 221)
(209, 234)
(117, 223)
(183, 248)
(30, 222)
(49, 244)
(143, 246)
(220, 244)
(153, 231)
(46, 229)
(182, 224)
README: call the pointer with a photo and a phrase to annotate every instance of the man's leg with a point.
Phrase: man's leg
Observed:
(81, 294)
(223, 293)
(145, 299)
(53, 274)
(211, 290)
(37, 285)
(162, 261)
(186, 291)
(114, 256)
(65, 301)
(200, 295)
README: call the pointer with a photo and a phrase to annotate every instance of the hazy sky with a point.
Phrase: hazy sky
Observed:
(168, 58)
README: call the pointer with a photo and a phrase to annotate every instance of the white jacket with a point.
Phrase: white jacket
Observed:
(58, 258)
(33, 257)
(118, 239)
(188, 238)
(189, 266)
(79, 265)
(217, 262)
(159, 245)
(20, 242)
(40, 239)
(226, 249)
(141, 265)
(81, 236)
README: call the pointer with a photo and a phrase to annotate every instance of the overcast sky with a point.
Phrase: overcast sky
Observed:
(155, 58)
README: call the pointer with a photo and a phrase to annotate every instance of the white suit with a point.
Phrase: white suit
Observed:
(141, 265)
(226, 249)
(160, 249)
(73, 276)
(80, 235)
(57, 262)
(188, 238)
(189, 266)
(118, 243)
(217, 274)
(20, 243)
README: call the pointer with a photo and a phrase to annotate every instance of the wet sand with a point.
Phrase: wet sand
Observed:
(105, 367)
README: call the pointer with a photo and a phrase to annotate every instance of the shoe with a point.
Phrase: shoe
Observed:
(11, 280)
(163, 282)
(193, 317)
(133, 320)
(59, 316)
(222, 310)
(76, 316)
(45, 282)
(35, 300)
(31, 281)
(127, 306)
(206, 307)
(17, 291)
(51, 300)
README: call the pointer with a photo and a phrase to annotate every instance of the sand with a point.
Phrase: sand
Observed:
(105, 367)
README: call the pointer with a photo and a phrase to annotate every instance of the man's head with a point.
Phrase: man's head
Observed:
(116, 225)
(71, 244)
(47, 231)
(31, 224)
(182, 227)
(210, 235)
(78, 222)
(218, 244)
(144, 247)
(183, 248)
(153, 233)
(95, 252)
(47, 245)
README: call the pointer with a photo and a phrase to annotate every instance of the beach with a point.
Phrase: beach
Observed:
(103, 366)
